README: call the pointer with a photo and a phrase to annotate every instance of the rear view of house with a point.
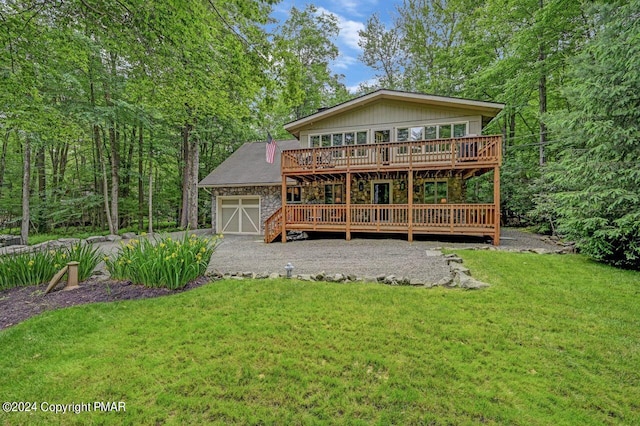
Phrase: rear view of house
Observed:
(386, 162)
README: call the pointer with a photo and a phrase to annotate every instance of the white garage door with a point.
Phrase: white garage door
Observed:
(239, 215)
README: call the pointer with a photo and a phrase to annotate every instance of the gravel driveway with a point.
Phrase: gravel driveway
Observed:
(361, 257)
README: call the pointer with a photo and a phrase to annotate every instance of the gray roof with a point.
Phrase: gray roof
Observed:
(248, 166)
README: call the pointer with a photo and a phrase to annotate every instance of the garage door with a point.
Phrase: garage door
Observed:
(239, 215)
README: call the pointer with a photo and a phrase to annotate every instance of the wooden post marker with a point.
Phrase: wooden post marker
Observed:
(72, 277)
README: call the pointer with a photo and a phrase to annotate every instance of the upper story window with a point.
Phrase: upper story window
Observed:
(338, 139)
(401, 134)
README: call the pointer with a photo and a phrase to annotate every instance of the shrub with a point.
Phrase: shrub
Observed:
(164, 263)
(37, 268)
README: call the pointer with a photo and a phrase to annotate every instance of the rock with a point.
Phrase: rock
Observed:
(390, 279)
(274, 276)
(128, 235)
(404, 281)
(96, 239)
(352, 277)
(433, 253)
(451, 260)
(68, 241)
(112, 238)
(338, 278)
(539, 251)
(417, 282)
(369, 279)
(444, 282)
(305, 277)
(457, 267)
(463, 280)
(247, 274)
(320, 276)
(262, 276)
(380, 278)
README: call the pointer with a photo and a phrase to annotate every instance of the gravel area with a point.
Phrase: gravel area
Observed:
(362, 257)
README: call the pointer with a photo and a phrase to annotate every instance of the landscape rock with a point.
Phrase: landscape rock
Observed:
(112, 238)
(128, 235)
(417, 282)
(96, 239)
(305, 277)
(433, 253)
(274, 275)
(457, 267)
(463, 280)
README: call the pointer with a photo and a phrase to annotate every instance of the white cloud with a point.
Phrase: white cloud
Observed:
(343, 61)
(348, 29)
(354, 7)
(370, 82)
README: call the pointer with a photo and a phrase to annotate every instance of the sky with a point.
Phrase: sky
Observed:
(352, 15)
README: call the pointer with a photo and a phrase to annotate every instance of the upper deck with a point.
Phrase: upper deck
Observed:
(470, 152)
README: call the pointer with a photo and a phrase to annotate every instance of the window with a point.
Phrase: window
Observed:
(382, 136)
(402, 135)
(315, 141)
(334, 193)
(435, 192)
(326, 140)
(459, 130)
(430, 133)
(294, 194)
(349, 138)
(444, 131)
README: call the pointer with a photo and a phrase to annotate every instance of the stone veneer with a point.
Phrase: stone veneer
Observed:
(270, 200)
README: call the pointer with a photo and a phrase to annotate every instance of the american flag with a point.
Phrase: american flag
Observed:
(271, 148)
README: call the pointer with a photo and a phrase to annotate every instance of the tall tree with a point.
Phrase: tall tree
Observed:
(598, 175)
(381, 50)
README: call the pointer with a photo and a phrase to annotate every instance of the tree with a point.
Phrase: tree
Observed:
(598, 175)
(304, 49)
(381, 50)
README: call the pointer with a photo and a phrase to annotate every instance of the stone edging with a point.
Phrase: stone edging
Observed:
(460, 277)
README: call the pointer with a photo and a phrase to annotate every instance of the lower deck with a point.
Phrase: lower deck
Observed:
(448, 219)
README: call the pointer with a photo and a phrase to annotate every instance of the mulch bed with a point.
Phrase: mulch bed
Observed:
(20, 303)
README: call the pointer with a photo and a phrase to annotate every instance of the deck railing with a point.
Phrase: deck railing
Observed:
(441, 153)
(273, 226)
(446, 217)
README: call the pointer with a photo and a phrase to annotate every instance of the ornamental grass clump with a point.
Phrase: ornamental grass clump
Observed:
(163, 263)
(36, 268)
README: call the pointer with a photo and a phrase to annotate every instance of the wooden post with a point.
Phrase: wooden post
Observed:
(72, 276)
(284, 208)
(410, 204)
(348, 215)
(496, 203)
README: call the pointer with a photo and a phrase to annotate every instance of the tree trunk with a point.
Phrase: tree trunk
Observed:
(193, 183)
(26, 175)
(186, 171)
(105, 181)
(150, 201)
(3, 159)
(542, 95)
(140, 181)
(42, 188)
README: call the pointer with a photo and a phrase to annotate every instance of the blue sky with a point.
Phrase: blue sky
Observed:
(352, 15)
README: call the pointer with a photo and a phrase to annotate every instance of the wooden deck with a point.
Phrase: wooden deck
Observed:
(458, 153)
(450, 219)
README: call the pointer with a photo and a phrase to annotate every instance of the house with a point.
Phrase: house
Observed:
(385, 162)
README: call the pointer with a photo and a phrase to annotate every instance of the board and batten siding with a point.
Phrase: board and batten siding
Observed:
(392, 114)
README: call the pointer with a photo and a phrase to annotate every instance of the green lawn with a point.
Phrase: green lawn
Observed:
(555, 340)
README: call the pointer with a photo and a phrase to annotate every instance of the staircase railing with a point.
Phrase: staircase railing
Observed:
(273, 226)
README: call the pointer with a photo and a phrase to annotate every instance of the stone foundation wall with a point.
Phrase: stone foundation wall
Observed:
(270, 200)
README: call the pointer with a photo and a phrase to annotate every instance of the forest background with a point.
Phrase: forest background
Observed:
(112, 110)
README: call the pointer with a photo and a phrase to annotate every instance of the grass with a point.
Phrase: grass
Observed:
(555, 340)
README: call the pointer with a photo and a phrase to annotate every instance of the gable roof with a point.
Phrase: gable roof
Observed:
(490, 109)
(247, 166)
